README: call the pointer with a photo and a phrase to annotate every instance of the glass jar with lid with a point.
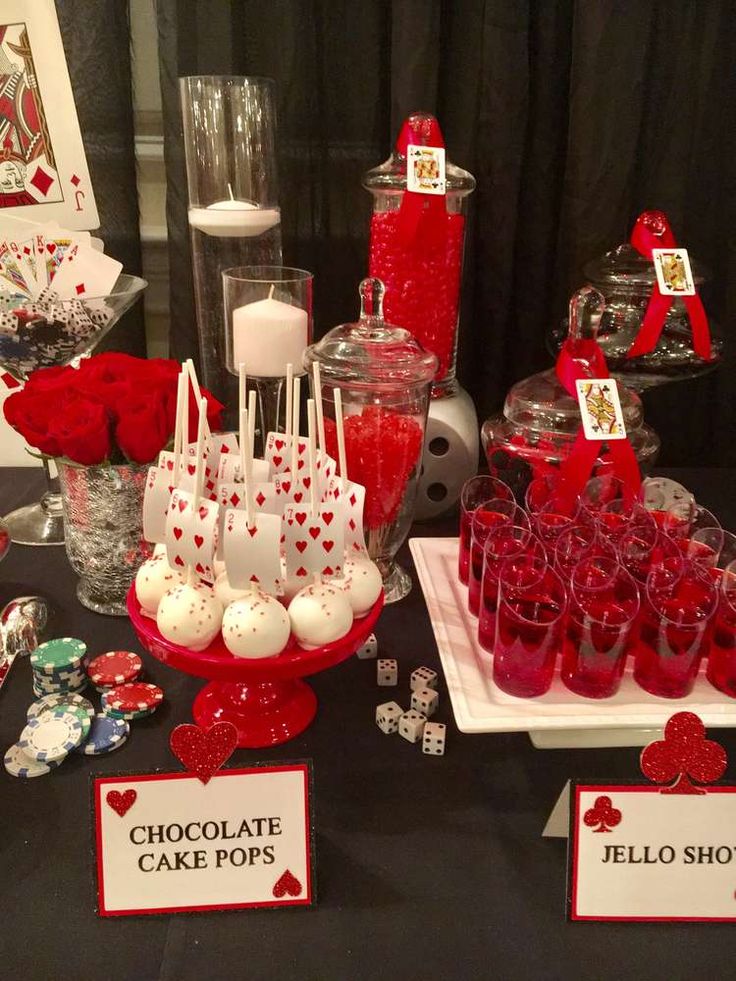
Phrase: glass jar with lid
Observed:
(540, 420)
(626, 278)
(384, 376)
(419, 258)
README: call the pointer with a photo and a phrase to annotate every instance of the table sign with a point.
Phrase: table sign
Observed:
(644, 852)
(209, 839)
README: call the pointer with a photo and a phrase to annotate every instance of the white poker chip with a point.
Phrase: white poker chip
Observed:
(51, 735)
(19, 765)
(59, 700)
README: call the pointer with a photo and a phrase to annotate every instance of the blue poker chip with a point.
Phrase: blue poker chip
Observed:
(106, 734)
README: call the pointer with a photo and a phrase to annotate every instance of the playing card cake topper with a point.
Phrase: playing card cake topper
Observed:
(43, 168)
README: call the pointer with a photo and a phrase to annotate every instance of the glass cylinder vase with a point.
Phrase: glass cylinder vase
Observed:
(103, 529)
(234, 218)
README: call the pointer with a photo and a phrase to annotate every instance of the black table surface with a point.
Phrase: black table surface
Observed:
(426, 867)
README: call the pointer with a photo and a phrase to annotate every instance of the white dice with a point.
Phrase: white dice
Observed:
(387, 672)
(425, 700)
(387, 717)
(369, 649)
(423, 678)
(411, 726)
(433, 738)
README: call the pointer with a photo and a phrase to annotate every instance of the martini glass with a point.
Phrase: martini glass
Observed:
(47, 336)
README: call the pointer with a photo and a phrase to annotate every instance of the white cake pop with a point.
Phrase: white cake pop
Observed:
(226, 593)
(361, 582)
(159, 549)
(154, 578)
(190, 615)
(256, 626)
(320, 614)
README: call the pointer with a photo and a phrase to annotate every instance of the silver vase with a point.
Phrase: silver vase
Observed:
(103, 530)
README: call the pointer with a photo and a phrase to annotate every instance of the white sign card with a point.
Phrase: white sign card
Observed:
(637, 853)
(169, 843)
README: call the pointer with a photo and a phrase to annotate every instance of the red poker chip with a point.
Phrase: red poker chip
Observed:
(114, 668)
(136, 696)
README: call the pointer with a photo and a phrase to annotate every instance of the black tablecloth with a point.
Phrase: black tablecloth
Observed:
(427, 868)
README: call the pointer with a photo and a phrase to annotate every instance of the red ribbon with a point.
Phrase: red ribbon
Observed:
(421, 216)
(652, 231)
(578, 359)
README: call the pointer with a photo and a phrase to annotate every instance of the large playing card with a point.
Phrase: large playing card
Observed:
(43, 168)
(84, 272)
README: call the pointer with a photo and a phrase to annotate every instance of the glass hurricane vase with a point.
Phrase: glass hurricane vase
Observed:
(103, 508)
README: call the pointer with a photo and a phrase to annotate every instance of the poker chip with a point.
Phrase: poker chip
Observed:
(51, 735)
(135, 699)
(19, 765)
(61, 700)
(114, 668)
(107, 733)
(62, 654)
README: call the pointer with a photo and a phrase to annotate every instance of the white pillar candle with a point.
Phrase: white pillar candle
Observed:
(233, 219)
(268, 335)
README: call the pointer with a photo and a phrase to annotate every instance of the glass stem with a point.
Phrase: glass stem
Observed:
(51, 500)
(269, 404)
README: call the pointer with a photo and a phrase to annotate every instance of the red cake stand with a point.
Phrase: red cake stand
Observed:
(265, 699)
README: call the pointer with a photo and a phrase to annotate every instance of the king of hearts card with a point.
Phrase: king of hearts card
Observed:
(43, 169)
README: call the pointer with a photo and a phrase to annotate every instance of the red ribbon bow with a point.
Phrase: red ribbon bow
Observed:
(652, 231)
(420, 215)
(578, 359)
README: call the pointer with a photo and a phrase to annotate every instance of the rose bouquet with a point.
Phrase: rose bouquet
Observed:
(113, 409)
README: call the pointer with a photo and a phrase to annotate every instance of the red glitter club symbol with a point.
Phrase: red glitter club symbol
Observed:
(603, 814)
(683, 753)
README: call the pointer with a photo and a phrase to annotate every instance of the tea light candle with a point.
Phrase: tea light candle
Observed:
(232, 218)
(268, 335)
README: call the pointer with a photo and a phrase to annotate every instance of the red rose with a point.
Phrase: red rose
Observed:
(214, 413)
(51, 379)
(82, 432)
(30, 413)
(109, 378)
(143, 430)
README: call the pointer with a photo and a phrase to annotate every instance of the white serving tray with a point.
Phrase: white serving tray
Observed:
(632, 717)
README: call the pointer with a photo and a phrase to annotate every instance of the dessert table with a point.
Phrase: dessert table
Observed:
(426, 867)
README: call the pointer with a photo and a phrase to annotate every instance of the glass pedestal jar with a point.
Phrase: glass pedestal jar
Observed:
(103, 530)
(384, 377)
(540, 420)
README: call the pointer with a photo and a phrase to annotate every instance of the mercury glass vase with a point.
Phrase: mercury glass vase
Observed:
(103, 529)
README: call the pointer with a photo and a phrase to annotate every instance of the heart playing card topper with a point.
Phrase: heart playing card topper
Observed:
(252, 554)
(156, 499)
(228, 470)
(204, 751)
(191, 537)
(313, 545)
(352, 500)
(278, 452)
(683, 753)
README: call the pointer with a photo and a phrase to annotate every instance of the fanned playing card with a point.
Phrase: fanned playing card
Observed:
(43, 168)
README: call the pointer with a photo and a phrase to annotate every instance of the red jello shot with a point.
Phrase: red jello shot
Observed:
(722, 658)
(505, 542)
(487, 517)
(476, 490)
(603, 602)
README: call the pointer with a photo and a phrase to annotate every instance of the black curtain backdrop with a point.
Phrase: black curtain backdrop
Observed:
(96, 40)
(573, 116)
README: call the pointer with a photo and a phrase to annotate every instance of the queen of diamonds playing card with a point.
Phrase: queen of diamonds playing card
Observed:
(43, 169)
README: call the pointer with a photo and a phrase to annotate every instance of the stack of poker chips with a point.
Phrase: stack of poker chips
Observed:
(58, 667)
(62, 721)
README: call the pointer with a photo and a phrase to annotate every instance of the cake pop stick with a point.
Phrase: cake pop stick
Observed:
(181, 387)
(295, 428)
(317, 381)
(246, 459)
(312, 428)
(196, 389)
(252, 420)
(342, 458)
(289, 403)
(198, 471)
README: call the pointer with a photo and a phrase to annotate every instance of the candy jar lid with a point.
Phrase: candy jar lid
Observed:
(421, 129)
(371, 352)
(624, 267)
(541, 402)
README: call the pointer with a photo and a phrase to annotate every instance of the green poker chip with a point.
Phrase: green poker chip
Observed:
(57, 656)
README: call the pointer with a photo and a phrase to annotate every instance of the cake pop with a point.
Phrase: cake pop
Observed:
(255, 626)
(361, 582)
(190, 615)
(154, 578)
(320, 614)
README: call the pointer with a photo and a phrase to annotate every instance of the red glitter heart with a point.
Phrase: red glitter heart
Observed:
(603, 814)
(121, 803)
(683, 753)
(287, 884)
(204, 751)
(301, 546)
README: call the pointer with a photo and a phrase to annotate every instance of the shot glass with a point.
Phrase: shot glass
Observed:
(486, 517)
(603, 603)
(618, 517)
(529, 622)
(697, 531)
(505, 542)
(475, 491)
(675, 628)
(721, 672)
(600, 491)
(576, 543)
